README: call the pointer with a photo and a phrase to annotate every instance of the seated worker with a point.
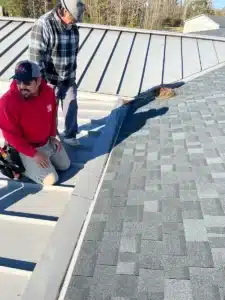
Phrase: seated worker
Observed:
(28, 123)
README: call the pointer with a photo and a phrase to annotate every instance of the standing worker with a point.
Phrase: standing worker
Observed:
(54, 44)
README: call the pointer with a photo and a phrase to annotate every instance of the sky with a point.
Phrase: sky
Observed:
(218, 3)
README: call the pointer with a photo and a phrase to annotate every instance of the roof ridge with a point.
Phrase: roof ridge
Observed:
(126, 29)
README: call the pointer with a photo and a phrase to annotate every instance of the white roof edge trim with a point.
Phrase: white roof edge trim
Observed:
(156, 32)
(127, 29)
(195, 17)
(19, 19)
(208, 17)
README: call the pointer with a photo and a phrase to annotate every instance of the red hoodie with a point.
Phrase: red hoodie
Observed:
(28, 122)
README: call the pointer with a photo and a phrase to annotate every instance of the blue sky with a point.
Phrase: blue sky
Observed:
(218, 3)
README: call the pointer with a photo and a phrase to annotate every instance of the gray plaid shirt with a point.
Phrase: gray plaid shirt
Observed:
(54, 48)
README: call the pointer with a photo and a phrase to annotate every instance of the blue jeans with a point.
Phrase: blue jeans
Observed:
(67, 96)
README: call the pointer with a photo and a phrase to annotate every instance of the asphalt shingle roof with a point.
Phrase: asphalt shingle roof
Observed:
(216, 32)
(219, 20)
(158, 227)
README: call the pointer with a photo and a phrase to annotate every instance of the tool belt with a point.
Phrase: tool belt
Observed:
(10, 162)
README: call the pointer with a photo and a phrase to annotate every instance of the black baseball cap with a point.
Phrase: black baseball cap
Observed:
(26, 71)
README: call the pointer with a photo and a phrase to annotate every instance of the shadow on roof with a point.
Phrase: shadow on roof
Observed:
(14, 192)
(137, 114)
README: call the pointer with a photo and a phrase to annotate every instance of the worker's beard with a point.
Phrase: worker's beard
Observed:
(26, 94)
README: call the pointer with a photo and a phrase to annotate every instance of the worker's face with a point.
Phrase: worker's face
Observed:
(68, 18)
(29, 89)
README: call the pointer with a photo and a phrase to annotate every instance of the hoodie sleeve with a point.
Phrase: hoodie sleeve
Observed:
(13, 134)
(53, 129)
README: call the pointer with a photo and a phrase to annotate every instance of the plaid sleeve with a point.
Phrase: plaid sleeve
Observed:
(38, 45)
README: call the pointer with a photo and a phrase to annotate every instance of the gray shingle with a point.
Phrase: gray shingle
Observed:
(152, 218)
(171, 210)
(199, 255)
(205, 291)
(205, 192)
(152, 206)
(126, 286)
(216, 240)
(174, 244)
(95, 231)
(130, 244)
(214, 221)
(212, 207)
(176, 267)
(79, 288)
(104, 283)
(134, 213)
(195, 230)
(119, 201)
(128, 263)
(218, 256)
(215, 276)
(137, 197)
(161, 207)
(178, 290)
(127, 268)
(172, 227)
(151, 255)
(132, 228)
(115, 219)
(156, 278)
(109, 248)
(151, 232)
(191, 210)
(87, 259)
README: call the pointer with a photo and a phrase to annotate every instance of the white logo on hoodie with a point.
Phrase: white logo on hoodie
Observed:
(49, 108)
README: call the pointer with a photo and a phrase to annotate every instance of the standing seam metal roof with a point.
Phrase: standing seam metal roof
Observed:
(122, 61)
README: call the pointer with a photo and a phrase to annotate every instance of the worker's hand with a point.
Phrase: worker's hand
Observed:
(56, 143)
(41, 159)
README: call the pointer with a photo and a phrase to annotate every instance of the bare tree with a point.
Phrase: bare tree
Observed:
(150, 14)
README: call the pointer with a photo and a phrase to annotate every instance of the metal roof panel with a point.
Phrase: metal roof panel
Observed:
(154, 63)
(23, 247)
(87, 52)
(113, 75)
(191, 63)
(173, 60)
(99, 62)
(3, 23)
(207, 54)
(135, 66)
(220, 50)
(114, 60)
(7, 30)
(13, 37)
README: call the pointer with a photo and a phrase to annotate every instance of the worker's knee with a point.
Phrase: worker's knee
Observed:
(65, 166)
(50, 179)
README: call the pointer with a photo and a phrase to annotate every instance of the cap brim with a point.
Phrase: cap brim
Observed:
(21, 78)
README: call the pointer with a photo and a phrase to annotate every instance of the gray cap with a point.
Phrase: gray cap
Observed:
(74, 7)
(26, 71)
